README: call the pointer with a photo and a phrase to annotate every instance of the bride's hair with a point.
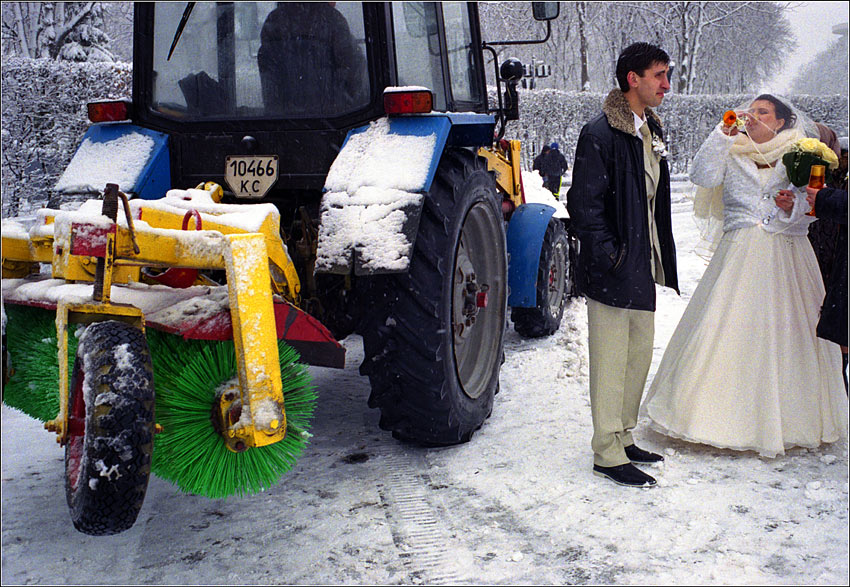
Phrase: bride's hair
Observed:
(783, 111)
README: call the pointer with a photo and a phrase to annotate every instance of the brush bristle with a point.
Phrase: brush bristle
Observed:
(187, 374)
(189, 452)
(34, 361)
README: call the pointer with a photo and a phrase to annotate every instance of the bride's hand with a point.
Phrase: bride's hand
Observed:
(729, 130)
(785, 200)
(732, 130)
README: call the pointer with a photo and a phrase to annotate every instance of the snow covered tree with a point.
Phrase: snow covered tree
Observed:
(69, 31)
(118, 25)
(826, 73)
(704, 41)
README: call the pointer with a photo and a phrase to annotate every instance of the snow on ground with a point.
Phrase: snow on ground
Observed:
(516, 505)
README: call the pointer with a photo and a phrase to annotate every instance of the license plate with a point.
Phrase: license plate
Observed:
(250, 176)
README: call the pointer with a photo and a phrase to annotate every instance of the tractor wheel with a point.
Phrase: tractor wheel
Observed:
(110, 424)
(433, 344)
(553, 286)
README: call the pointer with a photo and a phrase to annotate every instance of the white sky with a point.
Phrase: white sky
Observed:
(812, 24)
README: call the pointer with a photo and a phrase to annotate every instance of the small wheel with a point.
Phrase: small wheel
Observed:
(553, 286)
(110, 428)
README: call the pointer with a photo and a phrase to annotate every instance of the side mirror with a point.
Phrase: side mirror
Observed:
(545, 10)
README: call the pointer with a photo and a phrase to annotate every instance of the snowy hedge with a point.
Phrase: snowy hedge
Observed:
(554, 115)
(44, 118)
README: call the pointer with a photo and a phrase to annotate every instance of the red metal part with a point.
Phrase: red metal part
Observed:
(189, 214)
(180, 277)
(300, 330)
(76, 431)
(89, 240)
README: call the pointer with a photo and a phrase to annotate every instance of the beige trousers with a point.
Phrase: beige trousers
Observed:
(620, 348)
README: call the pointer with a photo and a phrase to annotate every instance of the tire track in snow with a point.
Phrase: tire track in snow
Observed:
(426, 545)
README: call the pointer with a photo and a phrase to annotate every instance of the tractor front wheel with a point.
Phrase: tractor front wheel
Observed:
(553, 286)
(110, 425)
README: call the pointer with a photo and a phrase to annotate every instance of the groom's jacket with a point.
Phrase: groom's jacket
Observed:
(608, 210)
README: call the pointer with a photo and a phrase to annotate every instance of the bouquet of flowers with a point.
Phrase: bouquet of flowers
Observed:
(805, 153)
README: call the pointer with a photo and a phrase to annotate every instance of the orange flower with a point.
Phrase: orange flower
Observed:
(730, 118)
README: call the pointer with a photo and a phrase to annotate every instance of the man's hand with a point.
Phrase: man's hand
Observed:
(811, 194)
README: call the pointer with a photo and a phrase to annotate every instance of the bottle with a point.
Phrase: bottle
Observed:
(817, 179)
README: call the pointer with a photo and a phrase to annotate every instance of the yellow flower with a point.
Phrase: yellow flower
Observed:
(816, 147)
(808, 145)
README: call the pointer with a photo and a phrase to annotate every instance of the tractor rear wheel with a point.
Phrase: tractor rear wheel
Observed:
(110, 428)
(434, 343)
(553, 286)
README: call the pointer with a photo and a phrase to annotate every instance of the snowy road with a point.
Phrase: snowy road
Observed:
(517, 505)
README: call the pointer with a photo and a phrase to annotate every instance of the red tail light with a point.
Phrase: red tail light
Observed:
(109, 111)
(407, 101)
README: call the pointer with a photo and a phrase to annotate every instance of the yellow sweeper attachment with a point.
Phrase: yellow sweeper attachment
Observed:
(112, 248)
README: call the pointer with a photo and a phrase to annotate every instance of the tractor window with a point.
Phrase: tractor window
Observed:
(260, 59)
(417, 48)
(462, 63)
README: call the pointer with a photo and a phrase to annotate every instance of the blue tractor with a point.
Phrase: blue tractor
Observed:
(368, 126)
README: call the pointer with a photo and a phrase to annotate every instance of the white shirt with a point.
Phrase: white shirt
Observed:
(639, 122)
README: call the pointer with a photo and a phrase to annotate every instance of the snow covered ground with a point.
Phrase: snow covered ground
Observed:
(516, 505)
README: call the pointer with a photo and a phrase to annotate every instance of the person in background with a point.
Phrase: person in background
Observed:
(538, 162)
(619, 205)
(831, 203)
(744, 369)
(553, 166)
(824, 234)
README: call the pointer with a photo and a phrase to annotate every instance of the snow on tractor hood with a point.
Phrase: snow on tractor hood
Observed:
(134, 158)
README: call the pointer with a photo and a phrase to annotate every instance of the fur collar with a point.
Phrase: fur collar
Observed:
(619, 113)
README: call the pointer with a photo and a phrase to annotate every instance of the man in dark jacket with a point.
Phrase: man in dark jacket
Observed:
(537, 164)
(831, 203)
(619, 206)
(553, 166)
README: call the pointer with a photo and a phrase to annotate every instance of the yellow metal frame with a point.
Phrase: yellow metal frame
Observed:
(249, 259)
(505, 164)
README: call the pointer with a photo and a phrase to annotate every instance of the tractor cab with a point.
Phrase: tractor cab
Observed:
(289, 80)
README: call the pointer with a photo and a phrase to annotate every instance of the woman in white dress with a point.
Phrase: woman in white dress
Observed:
(744, 369)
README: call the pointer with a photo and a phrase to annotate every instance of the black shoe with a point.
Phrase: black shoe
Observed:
(638, 455)
(627, 474)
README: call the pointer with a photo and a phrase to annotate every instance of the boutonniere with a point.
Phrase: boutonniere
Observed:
(658, 147)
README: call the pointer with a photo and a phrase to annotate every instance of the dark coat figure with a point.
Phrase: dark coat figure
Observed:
(309, 63)
(538, 162)
(831, 204)
(824, 234)
(608, 207)
(552, 167)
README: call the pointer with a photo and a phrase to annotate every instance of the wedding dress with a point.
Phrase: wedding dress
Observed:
(744, 369)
